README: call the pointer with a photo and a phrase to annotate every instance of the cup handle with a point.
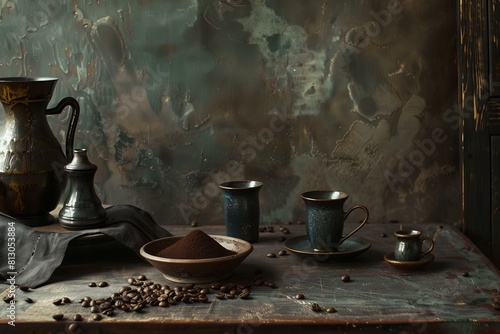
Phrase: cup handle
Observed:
(431, 243)
(75, 113)
(360, 225)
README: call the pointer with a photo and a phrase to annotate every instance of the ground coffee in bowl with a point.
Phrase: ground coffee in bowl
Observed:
(196, 257)
(195, 245)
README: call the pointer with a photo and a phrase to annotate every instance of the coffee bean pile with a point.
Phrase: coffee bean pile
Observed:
(141, 293)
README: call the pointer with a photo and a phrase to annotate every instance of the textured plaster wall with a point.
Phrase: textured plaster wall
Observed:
(180, 95)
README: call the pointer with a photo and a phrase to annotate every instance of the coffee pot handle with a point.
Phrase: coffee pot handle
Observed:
(360, 225)
(75, 113)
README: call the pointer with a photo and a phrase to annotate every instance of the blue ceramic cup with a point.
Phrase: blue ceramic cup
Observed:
(325, 218)
(242, 209)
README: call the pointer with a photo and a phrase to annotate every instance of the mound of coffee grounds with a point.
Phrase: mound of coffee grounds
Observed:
(195, 245)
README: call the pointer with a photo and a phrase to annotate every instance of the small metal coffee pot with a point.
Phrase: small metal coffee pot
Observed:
(82, 208)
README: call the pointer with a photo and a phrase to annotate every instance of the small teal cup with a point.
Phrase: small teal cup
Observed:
(242, 209)
(409, 245)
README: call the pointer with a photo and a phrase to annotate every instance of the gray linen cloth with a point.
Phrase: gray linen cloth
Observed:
(38, 254)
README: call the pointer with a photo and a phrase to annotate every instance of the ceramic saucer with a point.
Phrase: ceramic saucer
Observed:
(349, 248)
(389, 258)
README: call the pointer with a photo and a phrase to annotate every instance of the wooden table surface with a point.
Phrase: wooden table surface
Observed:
(455, 293)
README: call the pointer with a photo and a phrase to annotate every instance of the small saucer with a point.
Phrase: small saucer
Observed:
(349, 248)
(389, 258)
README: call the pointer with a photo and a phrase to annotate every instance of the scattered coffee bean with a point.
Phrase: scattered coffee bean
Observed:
(383, 235)
(24, 288)
(194, 223)
(29, 300)
(271, 255)
(110, 312)
(95, 309)
(103, 284)
(270, 284)
(315, 307)
(141, 277)
(496, 306)
(465, 274)
(259, 282)
(299, 296)
(300, 222)
(220, 296)
(282, 252)
(345, 278)
(125, 288)
(58, 317)
(97, 317)
(78, 317)
(92, 284)
(57, 301)
(72, 328)
(104, 306)
(245, 294)
(215, 286)
(331, 310)
(8, 298)
(66, 300)
(284, 230)
(282, 239)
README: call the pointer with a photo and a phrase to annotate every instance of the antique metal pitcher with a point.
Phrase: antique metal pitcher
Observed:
(32, 162)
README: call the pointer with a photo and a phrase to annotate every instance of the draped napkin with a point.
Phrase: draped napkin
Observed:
(38, 253)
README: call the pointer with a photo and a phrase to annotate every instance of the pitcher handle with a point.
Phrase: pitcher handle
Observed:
(75, 114)
(360, 225)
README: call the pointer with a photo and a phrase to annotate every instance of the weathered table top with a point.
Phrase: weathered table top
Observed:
(455, 293)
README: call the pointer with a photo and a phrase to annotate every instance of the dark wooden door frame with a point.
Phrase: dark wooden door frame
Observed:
(479, 99)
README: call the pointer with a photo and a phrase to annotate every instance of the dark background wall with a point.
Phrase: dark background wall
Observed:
(178, 96)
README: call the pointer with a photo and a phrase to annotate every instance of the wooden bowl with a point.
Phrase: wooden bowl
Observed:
(196, 270)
